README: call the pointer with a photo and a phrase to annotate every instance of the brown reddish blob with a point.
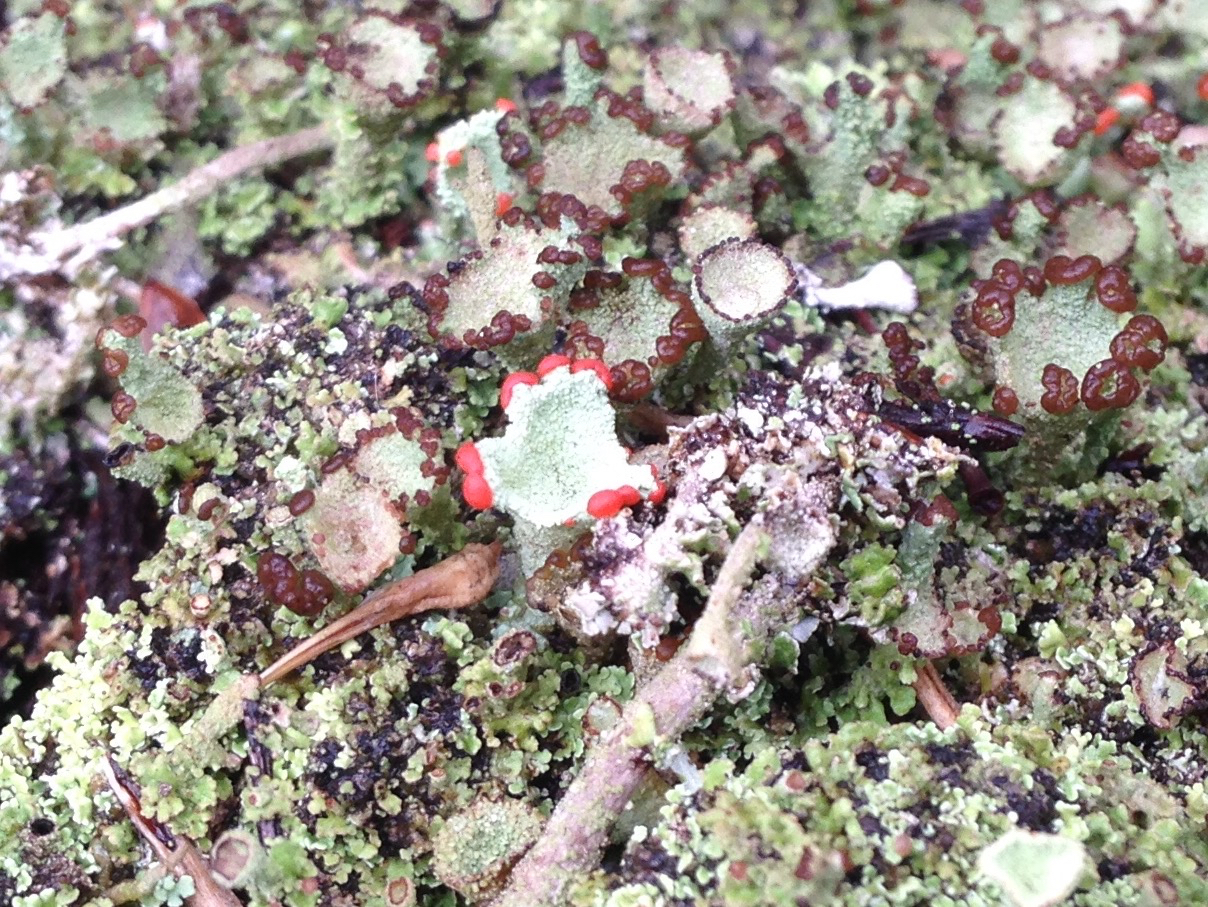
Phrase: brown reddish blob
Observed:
(1139, 154)
(1109, 385)
(534, 175)
(154, 442)
(994, 309)
(317, 592)
(668, 646)
(544, 280)
(896, 338)
(1033, 279)
(1008, 273)
(915, 186)
(1067, 136)
(1141, 344)
(940, 509)
(1005, 401)
(590, 51)
(860, 84)
(301, 502)
(122, 406)
(1162, 125)
(830, 97)
(129, 326)
(552, 255)
(1114, 290)
(1045, 203)
(144, 58)
(1039, 70)
(114, 362)
(207, 509)
(642, 267)
(628, 107)
(336, 461)
(877, 175)
(593, 246)
(407, 543)
(1004, 51)
(1060, 390)
(1012, 84)
(295, 60)
(631, 381)
(278, 577)
(515, 149)
(306, 593)
(1061, 271)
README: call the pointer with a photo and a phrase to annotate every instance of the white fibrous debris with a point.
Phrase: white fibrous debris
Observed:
(886, 286)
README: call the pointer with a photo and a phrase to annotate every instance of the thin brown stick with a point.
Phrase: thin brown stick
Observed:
(175, 853)
(934, 696)
(82, 242)
(674, 699)
(460, 580)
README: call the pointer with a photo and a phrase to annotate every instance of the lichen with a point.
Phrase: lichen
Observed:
(835, 378)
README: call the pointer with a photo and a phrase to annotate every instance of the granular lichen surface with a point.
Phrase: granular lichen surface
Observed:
(828, 383)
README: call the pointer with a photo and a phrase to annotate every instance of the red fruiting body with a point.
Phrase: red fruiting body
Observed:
(1004, 51)
(660, 488)
(603, 372)
(305, 593)
(1113, 289)
(1061, 271)
(1008, 273)
(660, 492)
(129, 325)
(1141, 344)
(994, 309)
(477, 492)
(1162, 125)
(1108, 117)
(453, 158)
(1109, 385)
(509, 385)
(1060, 390)
(629, 495)
(122, 406)
(301, 502)
(551, 362)
(604, 504)
(1139, 90)
(1201, 87)
(432, 153)
(1005, 401)
(114, 363)
(1139, 154)
(505, 105)
(1033, 279)
(468, 459)
(877, 175)
(503, 201)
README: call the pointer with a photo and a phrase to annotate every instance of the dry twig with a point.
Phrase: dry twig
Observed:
(176, 854)
(460, 580)
(674, 699)
(934, 696)
(68, 247)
